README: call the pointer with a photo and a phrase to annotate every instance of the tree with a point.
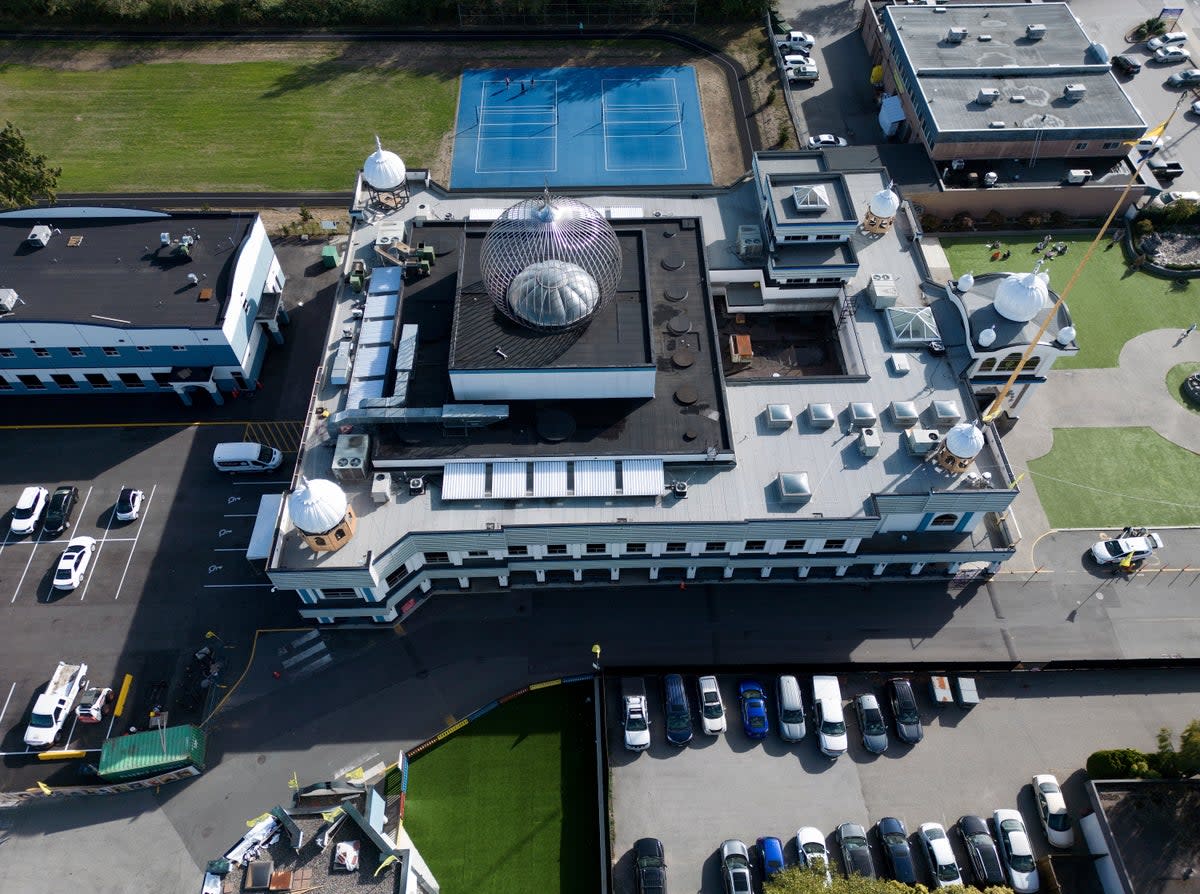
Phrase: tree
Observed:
(25, 178)
(801, 880)
(1184, 760)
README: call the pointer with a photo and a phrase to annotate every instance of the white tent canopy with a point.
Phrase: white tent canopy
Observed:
(264, 527)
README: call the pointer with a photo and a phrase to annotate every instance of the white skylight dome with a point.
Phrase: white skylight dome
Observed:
(966, 282)
(553, 295)
(551, 228)
(317, 506)
(884, 203)
(964, 441)
(383, 169)
(1022, 296)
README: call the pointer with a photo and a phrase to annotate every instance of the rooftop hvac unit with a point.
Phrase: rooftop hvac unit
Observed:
(869, 441)
(1074, 91)
(164, 238)
(956, 35)
(416, 486)
(381, 487)
(679, 489)
(997, 124)
(383, 240)
(991, 178)
(350, 457)
(1079, 175)
(1035, 32)
(921, 441)
(8, 300)
(987, 96)
(39, 236)
(883, 290)
(749, 242)
(1017, 97)
(984, 38)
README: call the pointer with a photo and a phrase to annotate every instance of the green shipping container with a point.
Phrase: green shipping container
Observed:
(138, 755)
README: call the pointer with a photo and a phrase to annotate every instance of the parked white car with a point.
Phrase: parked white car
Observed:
(1106, 551)
(1170, 39)
(1171, 55)
(29, 510)
(826, 140)
(800, 68)
(1052, 809)
(797, 42)
(712, 708)
(810, 846)
(942, 865)
(1015, 852)
(73, 564)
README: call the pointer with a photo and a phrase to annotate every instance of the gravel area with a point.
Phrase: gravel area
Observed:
(1178, 247)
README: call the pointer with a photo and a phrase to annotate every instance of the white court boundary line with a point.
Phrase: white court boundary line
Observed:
(481, 113)
(604, 104)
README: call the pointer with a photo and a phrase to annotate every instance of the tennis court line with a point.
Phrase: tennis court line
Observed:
(633, 107)
(482, 111)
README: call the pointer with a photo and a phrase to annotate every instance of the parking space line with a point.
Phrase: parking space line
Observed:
(74, 721)
(4, 710)
(28, 562)
(99, 549)
(83, 507)
(4, 542)
(137, 534)
(98, 540)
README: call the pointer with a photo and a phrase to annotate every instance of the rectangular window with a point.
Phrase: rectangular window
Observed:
(144, 348)
(834, 544)
(5, 384)
(40, 352)
(339, 594)
(755, 546)
(635, 547)
(97, 380)
(714, 546)
(556, 549)
(7, 352)
(676, 547)
(131, 380)
(62, 380)
(111, 352)
(1112, 145)
(178, 348)
(437, 558)
(75, 352)
(477, 554)
(33, 383)
(163, 380)
(596, 549)
(518, 550)
(397, 576)
(828, 236)
(794, 544)
(1080, 147)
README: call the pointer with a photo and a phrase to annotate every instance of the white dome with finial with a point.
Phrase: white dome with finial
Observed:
(1066, 335)
(966, 282)
(1022, 296)
(317, 506)
(383, 169)
(884, 203)
(987, 337)
(965, 441)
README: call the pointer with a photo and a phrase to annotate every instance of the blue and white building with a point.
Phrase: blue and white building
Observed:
(121, 301)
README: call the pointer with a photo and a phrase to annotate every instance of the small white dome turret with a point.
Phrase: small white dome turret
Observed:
(383, 170)
(1022, 296)
(987, 337)
(1065, 336)
(317, 506)
(966, 282)
(884, 203)
(964, 441)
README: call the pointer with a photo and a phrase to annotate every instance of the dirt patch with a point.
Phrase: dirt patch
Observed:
(1179, 247)
(447, 60)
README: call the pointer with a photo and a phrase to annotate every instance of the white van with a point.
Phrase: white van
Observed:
(831, 722)
(246, 456)
(791, 709)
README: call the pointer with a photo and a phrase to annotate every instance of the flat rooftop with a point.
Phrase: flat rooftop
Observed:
(1153, 824)
(997, 54)
(842, 478)
(114, 270)
(797, 198)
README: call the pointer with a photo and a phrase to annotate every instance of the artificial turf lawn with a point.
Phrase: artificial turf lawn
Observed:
(1110, 477)
(239, 126)
(1109, 304)
(1175, 378)
(508, 803)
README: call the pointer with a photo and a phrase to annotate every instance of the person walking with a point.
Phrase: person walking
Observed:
(1190, 329)
(507, 82)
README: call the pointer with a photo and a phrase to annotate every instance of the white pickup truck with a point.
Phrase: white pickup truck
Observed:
(635, 718)
(54, 705)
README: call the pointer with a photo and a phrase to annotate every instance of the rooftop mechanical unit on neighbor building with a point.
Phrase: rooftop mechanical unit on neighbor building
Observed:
(598, 391)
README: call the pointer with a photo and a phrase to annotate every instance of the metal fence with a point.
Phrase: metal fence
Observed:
(583, 15)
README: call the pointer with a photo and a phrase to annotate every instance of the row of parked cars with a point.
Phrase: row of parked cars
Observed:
(52, 512)
(791, 721)
(998, 854)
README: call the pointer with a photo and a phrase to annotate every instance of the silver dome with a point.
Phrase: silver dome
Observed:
(552, 295)
(1021, 296)
(550, 228)
(964, 441)
(383, 169)
(317, 505)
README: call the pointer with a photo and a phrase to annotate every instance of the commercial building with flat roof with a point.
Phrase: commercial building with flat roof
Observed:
(111, 300)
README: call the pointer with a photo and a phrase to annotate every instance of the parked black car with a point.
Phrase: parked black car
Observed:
(981, 851)
(62, 504)
(896, 853)
(679, 712)
(856, 852)
(904, 710)
(650, 866)
(1126, 64)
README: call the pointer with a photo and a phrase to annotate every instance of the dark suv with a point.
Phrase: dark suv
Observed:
(679, 712)
(1126, 64)
(904, 709)
(62, 504)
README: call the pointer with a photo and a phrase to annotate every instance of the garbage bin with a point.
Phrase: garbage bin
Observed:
(330, 257)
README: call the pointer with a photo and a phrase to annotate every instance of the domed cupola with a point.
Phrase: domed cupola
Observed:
(322, 514)
(959, 448)
(881, 211)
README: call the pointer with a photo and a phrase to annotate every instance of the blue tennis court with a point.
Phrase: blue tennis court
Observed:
(638, 126)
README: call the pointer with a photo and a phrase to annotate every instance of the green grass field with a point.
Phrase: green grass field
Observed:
(238, 126)
(1110, 304)
(1097, 477)
(508, 804)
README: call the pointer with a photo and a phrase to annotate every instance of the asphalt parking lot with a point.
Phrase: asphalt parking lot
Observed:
(970, 762)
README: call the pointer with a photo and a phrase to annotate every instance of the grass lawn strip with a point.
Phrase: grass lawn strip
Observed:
(1111, 477)
(508, 804)
(1175, 379)
(1109, 304)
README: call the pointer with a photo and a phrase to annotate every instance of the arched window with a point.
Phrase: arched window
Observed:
(1009, 363)
(987, 365)
(945, 520)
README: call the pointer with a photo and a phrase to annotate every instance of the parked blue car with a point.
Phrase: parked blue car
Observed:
(770, 855)
(754, 709)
